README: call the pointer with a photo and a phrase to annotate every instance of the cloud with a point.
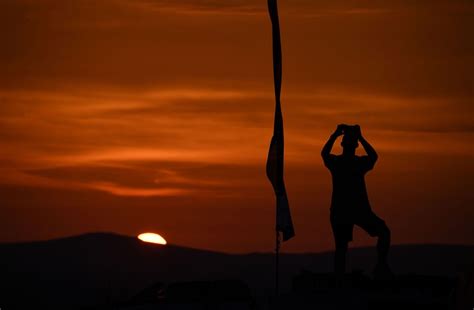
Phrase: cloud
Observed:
(93, 139)
(137, 192)
(168, 106)
(55, 44)
(303, 8)
(150, 177)
(201, 6)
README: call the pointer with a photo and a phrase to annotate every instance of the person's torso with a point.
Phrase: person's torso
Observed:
(349, 190)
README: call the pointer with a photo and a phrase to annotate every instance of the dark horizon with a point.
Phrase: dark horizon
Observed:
(96, 269)
(184, 246)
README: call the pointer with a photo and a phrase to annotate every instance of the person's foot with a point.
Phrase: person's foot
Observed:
(383, 272)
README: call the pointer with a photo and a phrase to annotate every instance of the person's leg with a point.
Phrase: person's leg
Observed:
(340, 258)
(342, 230)
(376, 227)
(383, 244)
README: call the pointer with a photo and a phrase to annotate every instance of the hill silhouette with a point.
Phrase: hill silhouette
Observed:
(102, 268)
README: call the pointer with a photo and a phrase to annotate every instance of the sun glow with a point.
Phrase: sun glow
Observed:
(152, 238)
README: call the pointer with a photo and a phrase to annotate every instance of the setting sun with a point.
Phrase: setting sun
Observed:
(152, 238)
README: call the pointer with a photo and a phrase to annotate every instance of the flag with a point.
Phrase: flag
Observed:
(275, 160)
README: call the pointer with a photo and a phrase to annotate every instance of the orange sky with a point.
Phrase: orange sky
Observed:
(136, 115)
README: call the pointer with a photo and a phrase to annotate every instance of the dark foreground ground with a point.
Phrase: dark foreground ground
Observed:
(108, 271)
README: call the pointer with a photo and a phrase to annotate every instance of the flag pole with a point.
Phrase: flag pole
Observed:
(277, 263)
(275, 161)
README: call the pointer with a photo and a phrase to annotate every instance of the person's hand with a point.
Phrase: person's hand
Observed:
(340, 130)
(357, 131)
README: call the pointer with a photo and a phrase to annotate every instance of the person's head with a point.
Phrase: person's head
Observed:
(349, 140)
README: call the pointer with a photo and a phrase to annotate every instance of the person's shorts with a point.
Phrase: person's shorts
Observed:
(342, 225)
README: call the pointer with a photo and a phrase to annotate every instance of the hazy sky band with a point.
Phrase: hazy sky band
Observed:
(166, 107)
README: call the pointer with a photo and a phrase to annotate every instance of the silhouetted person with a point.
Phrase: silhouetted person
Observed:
(350, 204)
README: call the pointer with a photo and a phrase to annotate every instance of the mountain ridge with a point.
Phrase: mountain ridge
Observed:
(118, 236)
(83, 270)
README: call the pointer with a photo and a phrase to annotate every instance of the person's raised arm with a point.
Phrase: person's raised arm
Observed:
(326, 151)
(371, 153)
